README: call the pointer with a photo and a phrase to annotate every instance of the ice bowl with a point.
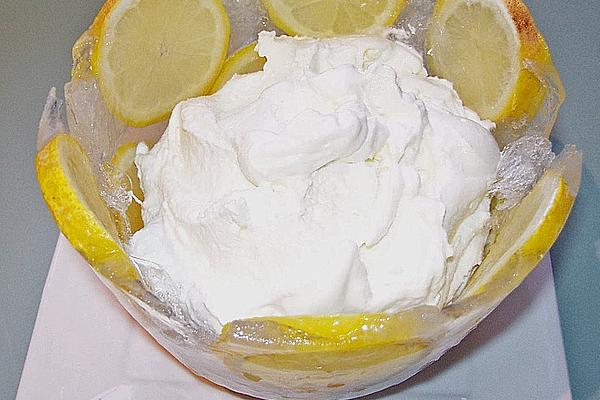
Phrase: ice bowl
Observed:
(325, 357)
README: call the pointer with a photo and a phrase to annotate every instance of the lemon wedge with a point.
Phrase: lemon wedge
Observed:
(126, 175)
(481, 46)
(528, 231)
(69, 187)
(151, 54)
(244, 61)
(326, 18)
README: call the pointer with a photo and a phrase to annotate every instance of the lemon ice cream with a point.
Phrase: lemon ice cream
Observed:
(339, 179)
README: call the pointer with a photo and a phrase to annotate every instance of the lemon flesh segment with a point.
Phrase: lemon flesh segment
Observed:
(527, 233)
(244, 61)
(152, 54)
(68, 185)
(327, 18)
(125, 173)
(480, 46)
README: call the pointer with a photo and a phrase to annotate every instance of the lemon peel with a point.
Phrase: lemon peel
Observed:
(527, 233)
(244, 61)
(125, 174)
(69, 187)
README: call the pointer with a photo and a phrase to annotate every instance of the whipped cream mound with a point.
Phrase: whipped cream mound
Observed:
(341, 179)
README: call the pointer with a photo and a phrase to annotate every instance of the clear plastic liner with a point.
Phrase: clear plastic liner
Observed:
(267, 357)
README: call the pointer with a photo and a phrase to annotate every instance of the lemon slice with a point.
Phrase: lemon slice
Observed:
(527, 233)
(151, 54)
(69, 187)
(481, 47)
(308, 348)
(126, 175)
(326, 18)
(244, 61)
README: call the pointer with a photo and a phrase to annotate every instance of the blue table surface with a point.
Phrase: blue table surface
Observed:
(35, 42)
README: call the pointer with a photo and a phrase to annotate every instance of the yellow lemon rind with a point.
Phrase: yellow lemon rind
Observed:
(69, 188)
(127, 175)
(514, 255)
(244, 61)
